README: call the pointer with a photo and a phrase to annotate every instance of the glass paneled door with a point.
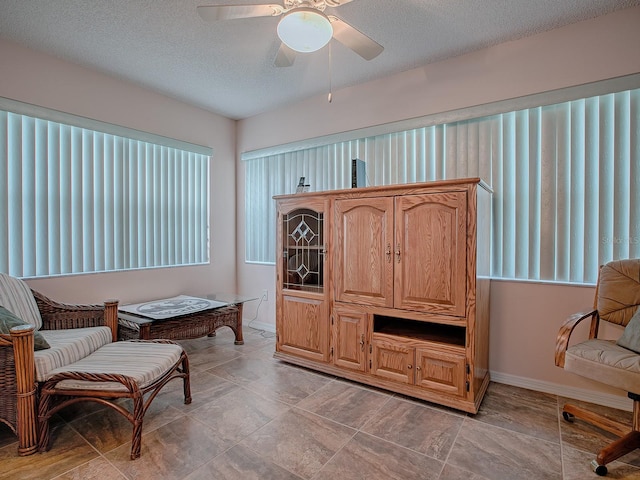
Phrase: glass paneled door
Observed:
(302, 316)
(303, 255)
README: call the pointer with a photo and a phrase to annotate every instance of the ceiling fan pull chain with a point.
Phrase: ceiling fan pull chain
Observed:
(330, 97)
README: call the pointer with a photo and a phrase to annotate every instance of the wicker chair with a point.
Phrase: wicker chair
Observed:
(18, 388)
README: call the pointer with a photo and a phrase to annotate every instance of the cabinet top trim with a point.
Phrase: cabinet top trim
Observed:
(399, 188)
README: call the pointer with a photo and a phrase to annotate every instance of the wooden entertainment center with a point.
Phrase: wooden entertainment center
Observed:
(389, 286)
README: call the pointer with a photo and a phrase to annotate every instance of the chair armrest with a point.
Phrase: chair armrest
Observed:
(562, 340)
(17, 379)
(58, 316)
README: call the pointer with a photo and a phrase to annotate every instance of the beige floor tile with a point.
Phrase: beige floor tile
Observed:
(256, 341)
(172, 451)
(344, 403)
(521, 410)
(501, 454)
(420, 428)
(68, 450)
(238, 414)
(241, 463)
(264, 353)
(244, 369)
(211, 357)
(450, 472)
(288, 384)
(98, 469)
(205, 388)
(367, 457)
(299, 441)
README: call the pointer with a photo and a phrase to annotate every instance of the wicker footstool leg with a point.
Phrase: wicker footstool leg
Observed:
(136, 435)
(87, 380)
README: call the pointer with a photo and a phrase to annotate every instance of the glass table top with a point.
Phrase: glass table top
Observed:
(157, 310)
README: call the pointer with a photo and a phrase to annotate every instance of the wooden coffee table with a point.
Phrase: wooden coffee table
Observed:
(193, 325)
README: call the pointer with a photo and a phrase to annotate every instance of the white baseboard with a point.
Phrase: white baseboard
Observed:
(606, 399)
(267, 327)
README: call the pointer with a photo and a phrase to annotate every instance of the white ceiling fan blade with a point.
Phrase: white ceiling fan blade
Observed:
(354, 39)
(336, 3)
(212, 13)
(285, 57)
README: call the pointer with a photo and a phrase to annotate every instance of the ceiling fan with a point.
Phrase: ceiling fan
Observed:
(304, 27)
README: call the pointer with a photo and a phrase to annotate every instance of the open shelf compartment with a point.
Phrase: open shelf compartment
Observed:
(420, 330)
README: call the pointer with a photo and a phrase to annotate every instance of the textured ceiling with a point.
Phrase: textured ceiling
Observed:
(227, 67)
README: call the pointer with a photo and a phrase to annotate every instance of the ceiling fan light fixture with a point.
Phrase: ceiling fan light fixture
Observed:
(305, 29)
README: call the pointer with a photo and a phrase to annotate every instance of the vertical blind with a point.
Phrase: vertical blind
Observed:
(75, 200)
(565, 177)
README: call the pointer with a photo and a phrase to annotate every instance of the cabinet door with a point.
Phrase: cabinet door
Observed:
(441, 370)
(303, 328)
(392, 361)
(301, 241)
(349, 338)
(302, 316)
(430, 252)
(363, 251)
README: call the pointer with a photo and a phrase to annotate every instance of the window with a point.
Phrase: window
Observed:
(76, 200)
(566, 181)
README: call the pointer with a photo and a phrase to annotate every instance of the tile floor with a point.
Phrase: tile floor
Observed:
(253, 417)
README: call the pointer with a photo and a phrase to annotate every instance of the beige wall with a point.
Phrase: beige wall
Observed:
(584, 52)
(42, 80)
(524, 317)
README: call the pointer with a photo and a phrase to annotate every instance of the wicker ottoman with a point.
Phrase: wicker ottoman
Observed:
(132, 369)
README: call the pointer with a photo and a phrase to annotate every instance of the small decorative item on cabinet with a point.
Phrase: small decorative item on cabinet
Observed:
(302, 187)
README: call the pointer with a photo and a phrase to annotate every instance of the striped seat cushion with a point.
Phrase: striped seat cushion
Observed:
(68, 346)
(143, 361)
(16, 296)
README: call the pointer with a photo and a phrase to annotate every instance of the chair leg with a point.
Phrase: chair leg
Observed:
(619, 448)
(599, 421)
(628, 441)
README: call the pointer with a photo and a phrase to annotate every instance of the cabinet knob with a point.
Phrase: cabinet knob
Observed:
(409, 367)
(398, 253)
(418, 368)
(388, 252)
